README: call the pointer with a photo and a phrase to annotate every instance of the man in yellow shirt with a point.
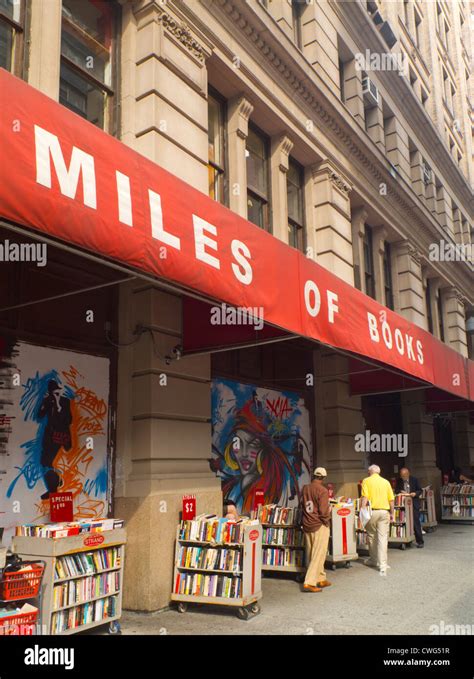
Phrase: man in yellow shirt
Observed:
(379, 493)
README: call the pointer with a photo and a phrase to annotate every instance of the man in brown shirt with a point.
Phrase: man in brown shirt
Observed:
(316, 515)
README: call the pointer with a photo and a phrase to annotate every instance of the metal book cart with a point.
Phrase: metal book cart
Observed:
(428, 510)
(50, 550)
(20, 581)
(407, 526)
(342, 542)
(250, 572)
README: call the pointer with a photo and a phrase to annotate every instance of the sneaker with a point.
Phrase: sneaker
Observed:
(311, 588)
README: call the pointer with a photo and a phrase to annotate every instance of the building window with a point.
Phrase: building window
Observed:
(86, 59)
(417, 29)
(297, 7)
(369, 262)
(429, 315)
(10, 32)
(216, 139)
(258, 198)
(341, 80)
(405, 13)
(387, 273)
(295, 196)
(440, 317)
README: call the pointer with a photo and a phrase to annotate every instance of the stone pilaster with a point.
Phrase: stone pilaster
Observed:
(353, 97)
(396, 146)
(358, 219)
(280, 150)
(408, 283)
(45, 47)
(455, 320)
(239, 110)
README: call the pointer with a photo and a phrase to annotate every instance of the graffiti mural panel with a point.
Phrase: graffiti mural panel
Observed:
(53, 432)
(261, 438)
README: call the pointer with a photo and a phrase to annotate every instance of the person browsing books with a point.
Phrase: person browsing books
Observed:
(230, 510)
(409, 485)
(379, 493)
(315, 523)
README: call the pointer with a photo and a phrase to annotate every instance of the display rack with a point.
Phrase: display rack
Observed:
(403, 525)
(237, 576)
(283, 547)
(54, 551)
(342, 546)
(457, 502)
(427, 509)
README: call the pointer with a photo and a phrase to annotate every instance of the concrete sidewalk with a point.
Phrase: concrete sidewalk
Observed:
(423, 587)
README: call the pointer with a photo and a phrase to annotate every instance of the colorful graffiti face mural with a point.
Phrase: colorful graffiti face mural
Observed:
(54, 432)
(261, 439)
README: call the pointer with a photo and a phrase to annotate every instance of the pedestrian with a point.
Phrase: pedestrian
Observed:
(378, 492)
(409, 485)
(315, 523)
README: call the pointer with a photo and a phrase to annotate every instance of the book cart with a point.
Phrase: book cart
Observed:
(401, 531)
(342, 546)
(221, 570)
(283, 547)
(427, 510)
(99, 607)
(457, 502)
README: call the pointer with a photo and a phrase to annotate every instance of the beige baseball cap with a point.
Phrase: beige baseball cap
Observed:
(320, 471)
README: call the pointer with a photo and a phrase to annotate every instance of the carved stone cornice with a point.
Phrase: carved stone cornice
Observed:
(414, 253)
(240, 110)
(283, 146)
(333, 174)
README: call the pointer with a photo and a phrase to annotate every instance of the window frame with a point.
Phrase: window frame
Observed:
(253, 191)
(300, 227)
(18, 31)
(220, 170)
(369, 273)
(387, 275)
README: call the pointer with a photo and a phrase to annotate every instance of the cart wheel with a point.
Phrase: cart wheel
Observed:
(114, 627)
(182, 607)
(403, 546)
(348, 564)
(255, 608)
(243, 613)
(333, 566)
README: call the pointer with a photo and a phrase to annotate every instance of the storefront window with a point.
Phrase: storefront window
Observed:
(216, 137)
(10, 28)
(294, 183)
(257, 179)
(86, 58)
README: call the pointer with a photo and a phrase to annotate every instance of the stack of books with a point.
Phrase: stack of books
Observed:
(293, 537)
(83, 563)
(198, 584)
(457, 500)
(62, 530)
(274, 514)
(80, 591)
(204, 558)
(94, 611)
(282, 557)
(210, 528)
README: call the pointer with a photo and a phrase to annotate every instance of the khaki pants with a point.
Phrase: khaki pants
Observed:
(316, 552)
(377, 536)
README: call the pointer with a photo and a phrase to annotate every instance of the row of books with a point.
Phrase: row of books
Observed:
(362, 540)
(273, 556)
(450, 500)
(283, 536)
(84, 563)
(460, 513)
(63, 530)
(457, 489)
(198, 584)
(71, 618)
(210, 528)
(82, 590)
(400, 500)
(399, 515)
(209, 558)
(289, 516)
(397, 531)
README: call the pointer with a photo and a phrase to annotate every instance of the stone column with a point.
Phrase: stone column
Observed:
(339, 419)
(358, 218)
(444, 209)
(170, 94)
(408, 283)
(320, 41)
(280, 150)
(396, 146)
(330, 219)
(282, 13)
(353, 97)
(374, 125)
(417, 180)
(455, 320)
(44, 43)
(239, 110)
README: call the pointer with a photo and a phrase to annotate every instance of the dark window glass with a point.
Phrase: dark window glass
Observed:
(297, 7)
(86, 57)
(369, 263)
(8, 33)
(429, 315)
(216, 139)
(257, 179)
(440, 317)
(295, 199)
(387, 271)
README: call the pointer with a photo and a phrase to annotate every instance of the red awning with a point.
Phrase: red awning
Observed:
(66, 178)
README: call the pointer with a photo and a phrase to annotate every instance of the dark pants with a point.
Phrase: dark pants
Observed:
(48, 454)
(417, 525)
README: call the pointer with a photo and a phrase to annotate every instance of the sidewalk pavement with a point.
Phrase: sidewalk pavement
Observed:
(423, 587)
